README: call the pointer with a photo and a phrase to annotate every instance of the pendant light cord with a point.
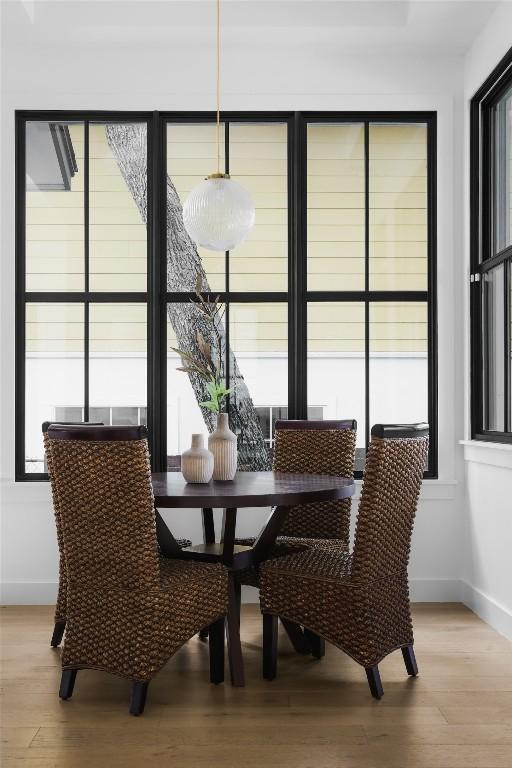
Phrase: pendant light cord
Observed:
(218, 86)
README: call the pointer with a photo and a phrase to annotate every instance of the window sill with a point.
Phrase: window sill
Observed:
(484, 452)
(39, 492)
(431, 490)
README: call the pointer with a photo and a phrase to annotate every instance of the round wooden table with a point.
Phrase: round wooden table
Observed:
(279, 490)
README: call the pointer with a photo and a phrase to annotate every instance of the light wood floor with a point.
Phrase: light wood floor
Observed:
(316, 714)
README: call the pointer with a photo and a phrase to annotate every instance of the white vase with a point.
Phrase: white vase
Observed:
(222, 443)
(197, 462)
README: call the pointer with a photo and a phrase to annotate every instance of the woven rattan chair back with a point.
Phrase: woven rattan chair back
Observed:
(60, 608)
(106, 505)
(318, 448)
(396, 460)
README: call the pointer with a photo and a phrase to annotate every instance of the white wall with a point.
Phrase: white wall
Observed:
(487, 508)
(45, 73)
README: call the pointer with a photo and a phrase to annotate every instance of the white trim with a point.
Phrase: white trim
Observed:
(431, 490)
(53, 355)
(45, 592)
(28, 593)
(422, 591)
(263, 354)
(488, 609)
(484, 452)
(435, 590)
(26, 492)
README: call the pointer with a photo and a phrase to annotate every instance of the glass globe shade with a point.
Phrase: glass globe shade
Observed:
(219, 213)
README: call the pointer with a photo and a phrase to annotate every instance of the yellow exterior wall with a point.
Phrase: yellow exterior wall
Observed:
(258, 160)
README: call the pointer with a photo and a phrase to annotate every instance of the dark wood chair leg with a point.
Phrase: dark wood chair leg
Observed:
(237, 586)
(217, 651)
(296, 636)
(138, 698)
(203, 633)
(67, 683)
(316, 644)
(410, 660)
(270, 628)
(58, 634)
(374, 681)
(236, 662)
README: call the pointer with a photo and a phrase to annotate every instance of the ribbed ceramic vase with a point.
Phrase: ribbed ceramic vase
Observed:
(197, 462)
(222, 443)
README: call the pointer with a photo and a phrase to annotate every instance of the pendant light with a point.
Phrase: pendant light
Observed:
(219, 213)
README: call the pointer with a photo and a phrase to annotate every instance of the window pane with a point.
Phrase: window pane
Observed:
(184, 391)
(336, 380)
(398, 207)
(102, 415)
(125, 416)
(259, 376)
(258, 160)
(191, 156)
(510, 347)
(75, 413)
(117, 362)
(54, 206)
(493, 349)
(258, 370)
(502, 207)
(118, 207)
(54, 372)
(335, 203)
(398, 362)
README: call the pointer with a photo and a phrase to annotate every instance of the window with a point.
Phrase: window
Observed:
(329, 305)
(107, 416)
(82, 312)
(491, 255)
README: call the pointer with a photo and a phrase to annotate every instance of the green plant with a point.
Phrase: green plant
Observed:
(209, 366)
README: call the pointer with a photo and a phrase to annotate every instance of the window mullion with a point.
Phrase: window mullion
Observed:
(297, 269)
(157, 278)
(227, 361)
(367, 281)
(86, 269)
(506, 349)
(20, 304)
(432, 292)
(86, 360)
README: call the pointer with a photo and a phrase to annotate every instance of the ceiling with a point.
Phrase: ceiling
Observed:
(427, 26)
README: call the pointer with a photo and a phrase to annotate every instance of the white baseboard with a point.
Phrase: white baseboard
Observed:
(45, 592)
(28, 592)
(435, 590)
(422, 591)
(490, 611)
(250, 595)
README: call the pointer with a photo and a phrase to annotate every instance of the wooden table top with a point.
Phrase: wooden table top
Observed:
(249, 489)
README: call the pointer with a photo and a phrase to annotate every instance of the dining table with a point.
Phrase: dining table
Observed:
(277, 490)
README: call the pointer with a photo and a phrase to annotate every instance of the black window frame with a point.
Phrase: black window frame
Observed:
(297, 296)
(483, 257)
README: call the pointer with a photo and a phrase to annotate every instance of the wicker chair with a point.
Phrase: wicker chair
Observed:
(60, 608)
(359, 602)
(312, 447)
(128, 609)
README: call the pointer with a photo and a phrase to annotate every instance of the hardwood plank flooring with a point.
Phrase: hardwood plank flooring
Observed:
(316, 714)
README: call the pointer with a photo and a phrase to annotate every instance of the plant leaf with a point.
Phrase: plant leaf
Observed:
(211, 386)
(191, 359)
(204, 347)
(211, 405)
